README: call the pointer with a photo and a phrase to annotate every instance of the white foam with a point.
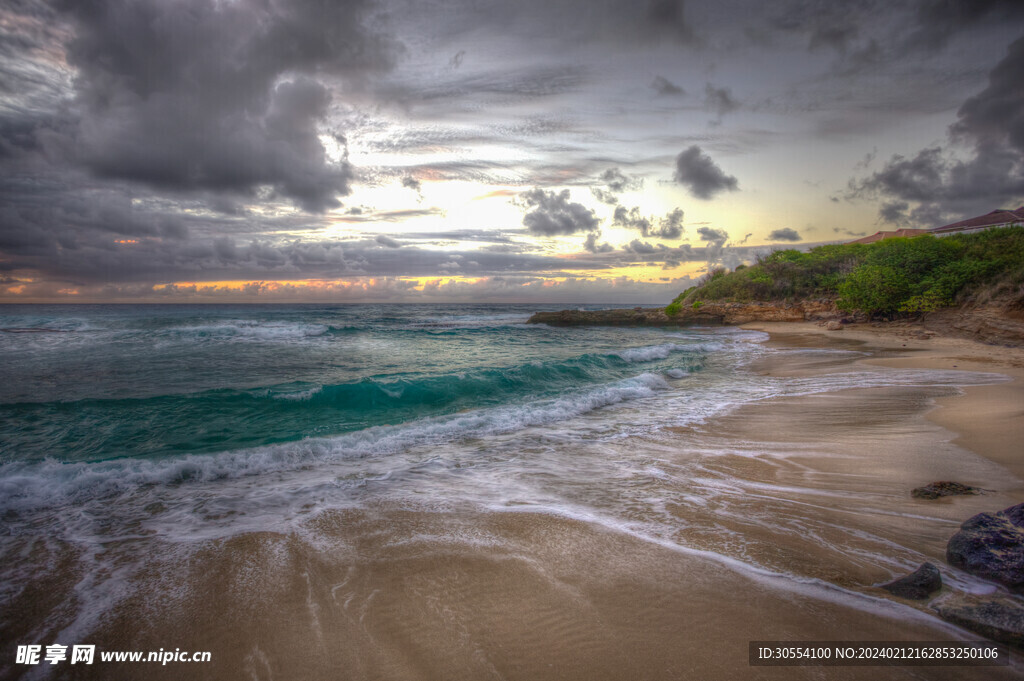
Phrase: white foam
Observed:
(252, 330)
(26, 486)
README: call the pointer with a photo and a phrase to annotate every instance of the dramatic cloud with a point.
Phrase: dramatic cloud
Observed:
(696, 171)
(553, 213)
(784, 234)
(197, 94)
(992, 124)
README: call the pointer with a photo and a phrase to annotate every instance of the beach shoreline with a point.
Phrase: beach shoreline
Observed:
(613, 545)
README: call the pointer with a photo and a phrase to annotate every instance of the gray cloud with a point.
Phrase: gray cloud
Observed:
(713, 235)
(590, 244)
(642, 247)
(696, 171)
(411, 182)
(893, 211)
(553, 213)
(387, 241)
(663, 86)
(992, 124)
(719, 100)
(785, 234)
(669, 17)
(939, 21)
(668, 227)
(615, 183)
(199, 94)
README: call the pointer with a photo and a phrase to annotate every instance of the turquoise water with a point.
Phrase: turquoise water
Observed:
(95, 383)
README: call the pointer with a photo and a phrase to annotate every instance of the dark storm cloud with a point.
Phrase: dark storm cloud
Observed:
(663, 86)
(785, 234)
(553, 213)
(893, 211)
(918, 179)
(992, 124)
(995, 116)
(696, 171)
(938, 20)
(198, 94)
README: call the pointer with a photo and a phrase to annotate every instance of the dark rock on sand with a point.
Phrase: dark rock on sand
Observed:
(1000, 618)
(943, 489)
(991, 545)
(921, 583)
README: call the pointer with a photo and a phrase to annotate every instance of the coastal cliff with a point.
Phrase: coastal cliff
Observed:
(706, 314)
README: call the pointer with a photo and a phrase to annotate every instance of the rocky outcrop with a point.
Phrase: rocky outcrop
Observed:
(627, 317)
(1000, 618)
(991, 545)
(921, 583)
(943, 488)
(710, 314)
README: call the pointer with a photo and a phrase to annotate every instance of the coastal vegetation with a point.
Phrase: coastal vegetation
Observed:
(886, 279)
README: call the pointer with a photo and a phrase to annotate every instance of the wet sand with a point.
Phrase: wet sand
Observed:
(817, 496)
(987, 419)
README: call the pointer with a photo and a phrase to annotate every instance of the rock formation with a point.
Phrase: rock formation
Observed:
(921, 583)
(943, 488)
(991, 545)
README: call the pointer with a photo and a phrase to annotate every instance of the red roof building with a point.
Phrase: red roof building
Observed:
(997, 218)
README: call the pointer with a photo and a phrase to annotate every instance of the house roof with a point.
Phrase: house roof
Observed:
(878, 236)
(996, 217)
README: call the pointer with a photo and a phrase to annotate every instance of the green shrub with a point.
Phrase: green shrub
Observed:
(889, 278)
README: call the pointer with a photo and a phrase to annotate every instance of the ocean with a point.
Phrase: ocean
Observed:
(145, 449)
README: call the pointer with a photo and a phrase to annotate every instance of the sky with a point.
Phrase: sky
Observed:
(537, 151)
